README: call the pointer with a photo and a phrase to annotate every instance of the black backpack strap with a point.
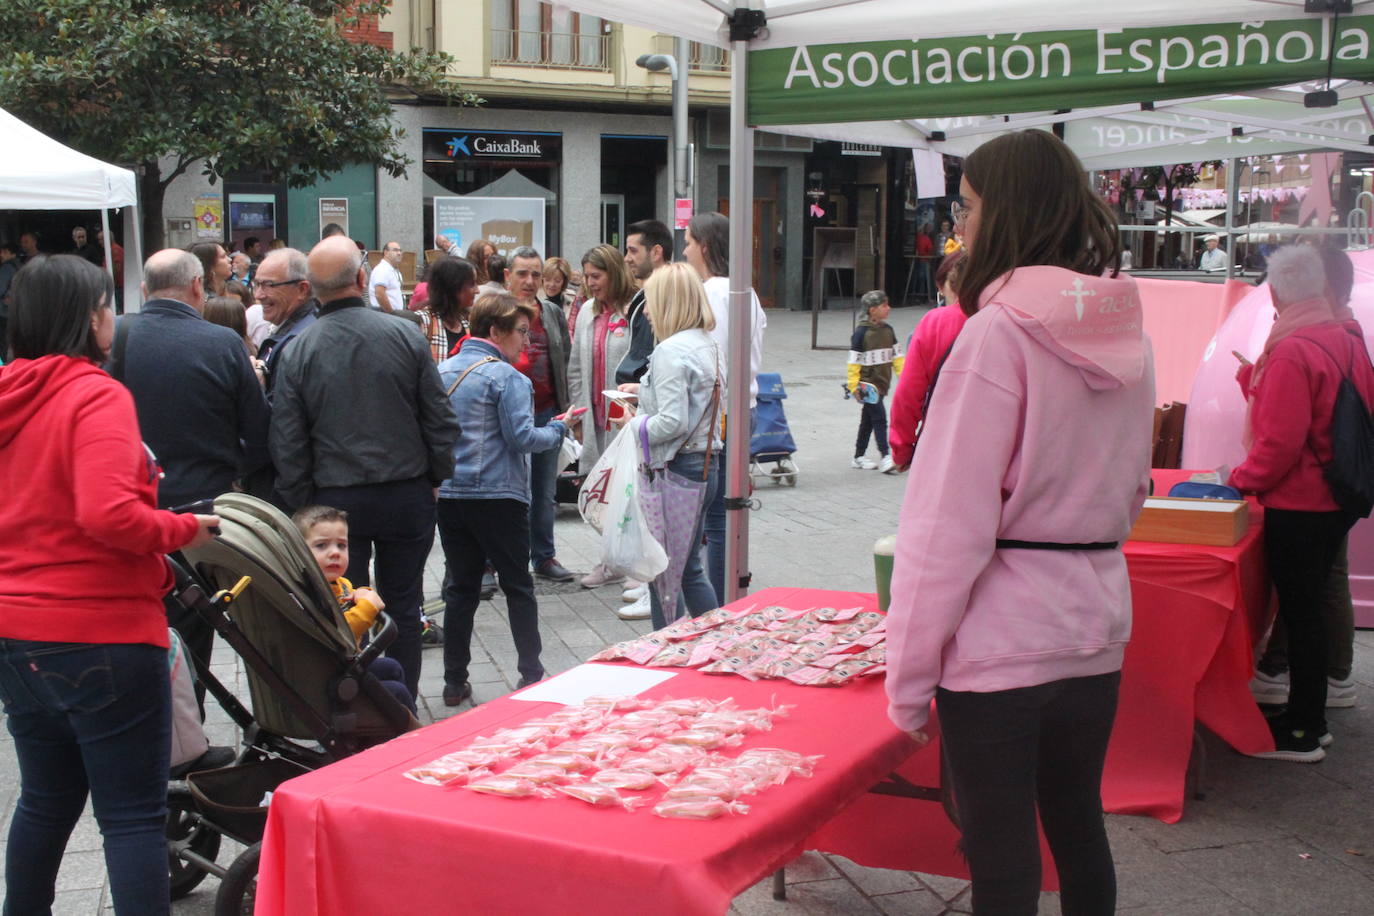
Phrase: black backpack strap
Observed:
(121, 344)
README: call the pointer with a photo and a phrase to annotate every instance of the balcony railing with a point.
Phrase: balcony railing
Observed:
(557, 50)
(707, 58)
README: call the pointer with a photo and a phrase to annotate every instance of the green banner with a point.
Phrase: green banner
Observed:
(1044, 71)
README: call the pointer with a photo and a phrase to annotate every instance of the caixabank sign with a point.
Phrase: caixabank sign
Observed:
(444, 145)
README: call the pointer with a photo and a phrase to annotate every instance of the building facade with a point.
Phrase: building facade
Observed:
(572, 128)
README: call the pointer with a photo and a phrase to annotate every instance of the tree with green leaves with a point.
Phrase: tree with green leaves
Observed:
(226, 85)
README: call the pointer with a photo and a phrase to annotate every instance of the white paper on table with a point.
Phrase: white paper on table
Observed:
(574, 686)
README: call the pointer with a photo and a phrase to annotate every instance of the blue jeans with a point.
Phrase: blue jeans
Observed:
(697, 593)
(543, 487)
(396, 519)
(715, 521)
(88, 719)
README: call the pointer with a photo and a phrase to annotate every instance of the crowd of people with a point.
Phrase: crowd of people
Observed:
(306, 379)
(1023, 414)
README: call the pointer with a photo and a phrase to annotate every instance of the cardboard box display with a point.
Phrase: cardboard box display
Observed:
(508, 234)
(1179, 520)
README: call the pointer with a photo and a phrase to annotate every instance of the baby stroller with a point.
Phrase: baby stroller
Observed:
(313, 699)
(772, 441)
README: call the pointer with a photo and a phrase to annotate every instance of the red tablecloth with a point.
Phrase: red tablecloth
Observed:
(357, 837)
(336, 837)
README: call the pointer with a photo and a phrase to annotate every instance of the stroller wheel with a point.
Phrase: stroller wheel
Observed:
(790, 480)
(187, 831)
(238, 889)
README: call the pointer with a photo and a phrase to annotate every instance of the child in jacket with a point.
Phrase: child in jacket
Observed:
(875, 355)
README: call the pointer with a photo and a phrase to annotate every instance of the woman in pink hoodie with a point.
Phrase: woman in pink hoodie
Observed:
(1011, 603)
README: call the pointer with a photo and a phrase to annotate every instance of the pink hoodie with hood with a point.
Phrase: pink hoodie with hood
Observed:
(1039, 430)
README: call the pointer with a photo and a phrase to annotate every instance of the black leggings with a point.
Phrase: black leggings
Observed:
(1300, 548)
(1013, 752)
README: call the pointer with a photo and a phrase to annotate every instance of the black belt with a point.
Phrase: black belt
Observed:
(1005, 544)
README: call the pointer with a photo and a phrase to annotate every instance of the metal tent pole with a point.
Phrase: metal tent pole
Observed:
(744, 26)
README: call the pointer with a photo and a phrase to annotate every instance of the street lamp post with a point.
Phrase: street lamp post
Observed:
(676, 65)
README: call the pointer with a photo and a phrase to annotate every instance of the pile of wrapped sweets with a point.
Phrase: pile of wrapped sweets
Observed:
(819, 647)
(612, 745)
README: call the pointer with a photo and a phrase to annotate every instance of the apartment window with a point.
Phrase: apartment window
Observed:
(707, 58)
(542, 35)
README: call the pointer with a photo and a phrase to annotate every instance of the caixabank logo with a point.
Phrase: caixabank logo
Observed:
(471, 145)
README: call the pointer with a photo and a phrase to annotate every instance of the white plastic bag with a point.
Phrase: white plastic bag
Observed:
(614, 470)
(609, 501)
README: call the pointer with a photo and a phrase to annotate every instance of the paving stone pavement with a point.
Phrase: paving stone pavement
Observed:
(1269, 838)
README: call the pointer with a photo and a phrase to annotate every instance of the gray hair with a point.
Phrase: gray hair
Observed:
(176, 271)
(343, 278)
(525, 251)
(872, 299)
(296, 265)
(1296, 273)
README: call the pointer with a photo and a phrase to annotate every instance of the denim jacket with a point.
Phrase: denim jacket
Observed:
(495, 409)
(675, 396)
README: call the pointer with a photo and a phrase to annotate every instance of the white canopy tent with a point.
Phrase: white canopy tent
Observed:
(1169, 80)
(38, 173)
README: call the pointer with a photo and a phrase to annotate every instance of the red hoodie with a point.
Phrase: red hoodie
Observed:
(81, 539)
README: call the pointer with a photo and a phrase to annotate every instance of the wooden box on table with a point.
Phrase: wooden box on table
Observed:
(1180, 520)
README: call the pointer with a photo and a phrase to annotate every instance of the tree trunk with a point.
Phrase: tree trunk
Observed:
(150, 193)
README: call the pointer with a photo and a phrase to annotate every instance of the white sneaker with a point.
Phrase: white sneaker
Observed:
(640, 610)
(1269, 689)
(634, 592)
(886, 465)
(600, 576)
(863, 463)
(1340, 694)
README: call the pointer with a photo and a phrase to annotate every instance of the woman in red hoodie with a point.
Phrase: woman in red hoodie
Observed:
(83, 633)
(1292, 393)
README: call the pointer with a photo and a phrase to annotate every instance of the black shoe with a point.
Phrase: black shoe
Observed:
(454, 696)
(213, 758)
(432, 634)
(526, 681)
(488, 584)
(553, 571)
(1295, 744)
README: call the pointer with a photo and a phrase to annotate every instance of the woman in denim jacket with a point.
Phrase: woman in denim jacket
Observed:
(484, 506)
(680, 398)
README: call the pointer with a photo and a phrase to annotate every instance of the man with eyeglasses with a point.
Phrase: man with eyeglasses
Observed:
(282, 288)
(384, 287)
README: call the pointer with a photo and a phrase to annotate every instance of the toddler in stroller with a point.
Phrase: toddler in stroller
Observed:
(314, 698)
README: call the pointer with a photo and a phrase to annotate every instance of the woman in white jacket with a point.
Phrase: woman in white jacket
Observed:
(680, 400)
(1011, 600)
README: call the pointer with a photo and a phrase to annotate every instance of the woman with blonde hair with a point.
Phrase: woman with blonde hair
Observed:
(601, 339)
(679, 399)
(557, 275)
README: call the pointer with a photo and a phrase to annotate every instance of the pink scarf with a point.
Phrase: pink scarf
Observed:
(1295, 317)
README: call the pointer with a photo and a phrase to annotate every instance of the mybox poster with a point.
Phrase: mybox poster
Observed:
(506, 222)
